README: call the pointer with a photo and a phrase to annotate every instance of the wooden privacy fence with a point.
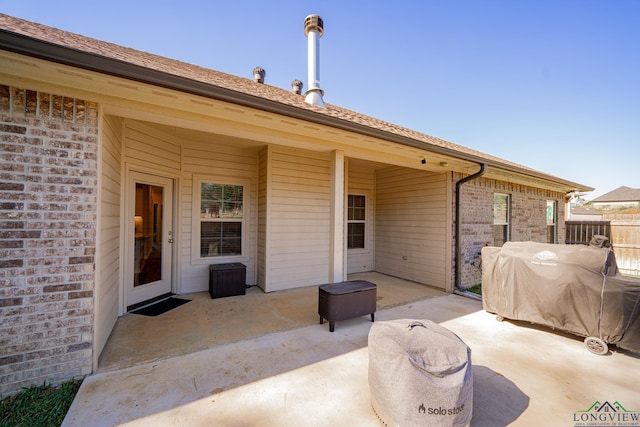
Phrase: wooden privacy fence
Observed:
(623, 232)
(580, 232)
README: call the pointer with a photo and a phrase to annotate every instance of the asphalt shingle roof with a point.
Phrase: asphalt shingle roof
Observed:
(244, 86)
(620, 194)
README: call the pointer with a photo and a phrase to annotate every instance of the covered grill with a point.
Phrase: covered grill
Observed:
(574, 288)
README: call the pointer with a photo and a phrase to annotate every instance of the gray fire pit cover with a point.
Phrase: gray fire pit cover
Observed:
(420, 374)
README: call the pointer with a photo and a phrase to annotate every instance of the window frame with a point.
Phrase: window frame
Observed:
(197, 219)
(507, 221)
(554, 220)
(364, 221)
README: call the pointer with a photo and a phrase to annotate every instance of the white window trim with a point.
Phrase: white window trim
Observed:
(508, 196)
(196, 222)
(365, 222)
(508, 215)
(554, 219)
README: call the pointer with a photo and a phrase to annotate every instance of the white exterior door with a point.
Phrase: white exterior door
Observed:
(149, 231)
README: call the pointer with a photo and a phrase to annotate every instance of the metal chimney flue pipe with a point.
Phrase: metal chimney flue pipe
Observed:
(313, 30)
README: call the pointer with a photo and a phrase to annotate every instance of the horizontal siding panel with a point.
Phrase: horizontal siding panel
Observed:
(144, 155)
(299, 215)
(212, 166)
(217, 164)
(307, 190)
(315, 242)
(399, 250)
(285, 279)
(301, 267)
(138, 131)
(417, 196)
(295, 158)
(226, 172)
(306, 200)
(318, 167)
(424, 179)
(193, 149)
(281, 182)
(303, 259)
(411, 222)
(410, 235)
(159, 149)
(430, 265)
(147, 146)
(314, 238)
(205, 159)
(396, 228)
(110, 199)
(414, 213)
(419, 275)
(287, 216)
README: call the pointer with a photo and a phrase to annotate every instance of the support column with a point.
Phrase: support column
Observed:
(337, 268)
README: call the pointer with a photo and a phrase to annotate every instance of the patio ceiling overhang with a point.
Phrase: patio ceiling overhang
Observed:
(497, 168)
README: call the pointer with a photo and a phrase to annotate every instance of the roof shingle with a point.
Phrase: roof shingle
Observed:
(242, 85)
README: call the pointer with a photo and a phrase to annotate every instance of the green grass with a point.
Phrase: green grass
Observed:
(37, 406)
(477, 289)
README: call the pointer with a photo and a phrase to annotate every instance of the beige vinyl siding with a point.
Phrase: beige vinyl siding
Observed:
(411, 225)
(108, 251)
(361, 181)
(299, 219)
(210, 161)
(151, 149)
(154, 151)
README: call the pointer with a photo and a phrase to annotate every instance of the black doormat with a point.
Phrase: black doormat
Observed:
(161, 307)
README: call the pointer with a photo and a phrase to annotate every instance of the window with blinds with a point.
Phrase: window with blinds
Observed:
(356, 221)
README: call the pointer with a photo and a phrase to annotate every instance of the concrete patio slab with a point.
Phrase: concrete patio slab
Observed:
(523, 376)
(205, 322)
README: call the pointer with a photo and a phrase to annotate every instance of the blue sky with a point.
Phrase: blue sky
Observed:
(550, 84)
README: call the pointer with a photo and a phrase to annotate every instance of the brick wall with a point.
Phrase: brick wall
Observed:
(528, 219)
(48, 185)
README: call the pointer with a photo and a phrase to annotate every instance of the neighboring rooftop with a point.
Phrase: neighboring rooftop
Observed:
(578, 210)
(620, 194)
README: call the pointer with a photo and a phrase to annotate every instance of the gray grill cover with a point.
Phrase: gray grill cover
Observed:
(420, 374)
(564, 287)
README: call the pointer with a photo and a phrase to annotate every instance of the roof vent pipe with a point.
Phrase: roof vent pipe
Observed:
(296, 87)
(313, 30)
(258, 75)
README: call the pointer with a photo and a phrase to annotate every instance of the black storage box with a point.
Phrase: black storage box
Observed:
(227, 280)
(346, 300)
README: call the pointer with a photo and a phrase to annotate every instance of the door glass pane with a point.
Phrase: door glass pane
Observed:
(148, 234)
